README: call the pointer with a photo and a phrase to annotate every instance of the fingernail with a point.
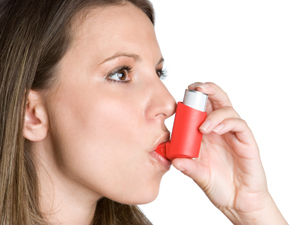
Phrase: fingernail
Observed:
(179, 168)
(218, 128)
(205, 125)
(205, 85)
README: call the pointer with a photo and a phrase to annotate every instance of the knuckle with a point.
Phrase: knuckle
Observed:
(244, 122)
(229, 108)
(232, 111)
(225, 97)
(215, 87)
(211, 84)
(225, 111)
(228, 121)
(225, 94)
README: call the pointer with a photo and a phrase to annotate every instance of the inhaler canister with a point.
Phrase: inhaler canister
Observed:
(186, 138)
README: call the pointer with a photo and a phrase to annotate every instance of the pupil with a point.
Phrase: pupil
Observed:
(122, 74)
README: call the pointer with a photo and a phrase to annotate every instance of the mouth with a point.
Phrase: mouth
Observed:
(163, 162)
(162, 139)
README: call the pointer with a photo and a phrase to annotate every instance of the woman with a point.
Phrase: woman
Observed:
(83, 108)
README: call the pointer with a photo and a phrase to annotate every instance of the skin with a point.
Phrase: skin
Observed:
(229, 169)
(92, 136)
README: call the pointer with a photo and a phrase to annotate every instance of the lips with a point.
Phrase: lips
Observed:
(165, 164)
(162, 139)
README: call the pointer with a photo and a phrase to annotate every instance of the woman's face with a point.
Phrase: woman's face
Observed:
(107, 112)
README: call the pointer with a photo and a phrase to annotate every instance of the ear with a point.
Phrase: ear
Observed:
(36, 117)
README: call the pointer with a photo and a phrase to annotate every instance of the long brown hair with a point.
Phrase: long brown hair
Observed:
(34, 36)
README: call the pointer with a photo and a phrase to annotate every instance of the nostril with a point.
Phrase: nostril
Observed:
(161, 116)
(160, 104)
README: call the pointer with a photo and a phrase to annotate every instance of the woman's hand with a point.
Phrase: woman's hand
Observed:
(229, 168)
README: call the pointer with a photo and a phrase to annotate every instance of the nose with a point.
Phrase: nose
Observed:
(161, 104)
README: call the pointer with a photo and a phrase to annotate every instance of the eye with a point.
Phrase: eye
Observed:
(162, 73)
(120, 75)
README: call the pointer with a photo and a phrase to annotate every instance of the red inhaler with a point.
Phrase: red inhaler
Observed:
(186, 138)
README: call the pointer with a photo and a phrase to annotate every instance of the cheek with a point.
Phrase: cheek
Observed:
(104, 146)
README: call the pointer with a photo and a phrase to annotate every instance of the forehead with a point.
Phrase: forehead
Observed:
(123, 27)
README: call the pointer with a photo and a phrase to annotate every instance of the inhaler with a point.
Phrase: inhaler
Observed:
(186, 138)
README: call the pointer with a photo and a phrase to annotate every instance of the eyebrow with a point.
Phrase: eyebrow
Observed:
(160, 61)
(134, 56)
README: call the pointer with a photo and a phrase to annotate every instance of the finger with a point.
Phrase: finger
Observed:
(209, 107)
(216, 95)
(192, 169)
(216, 117)
(238, 127)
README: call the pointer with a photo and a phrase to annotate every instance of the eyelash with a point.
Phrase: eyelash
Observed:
(162, 72)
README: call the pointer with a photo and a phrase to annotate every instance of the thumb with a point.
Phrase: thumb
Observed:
(192, 169)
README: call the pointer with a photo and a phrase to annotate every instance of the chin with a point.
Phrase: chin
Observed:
(147, 200)
(140, 197)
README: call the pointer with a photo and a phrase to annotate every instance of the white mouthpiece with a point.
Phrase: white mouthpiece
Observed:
(195, 99)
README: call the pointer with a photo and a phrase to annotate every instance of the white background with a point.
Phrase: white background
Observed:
(255, 51)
